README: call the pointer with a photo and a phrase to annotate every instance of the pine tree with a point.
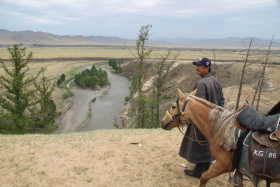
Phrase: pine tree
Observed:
(47, 112)
(18, 94)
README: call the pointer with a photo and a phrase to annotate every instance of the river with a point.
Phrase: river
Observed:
(105, 110)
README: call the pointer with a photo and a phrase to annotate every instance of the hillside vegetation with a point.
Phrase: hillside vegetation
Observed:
(183, 76)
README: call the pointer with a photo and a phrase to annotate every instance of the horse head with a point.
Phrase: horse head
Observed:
(176, 115)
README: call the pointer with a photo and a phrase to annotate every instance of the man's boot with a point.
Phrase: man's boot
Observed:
(198, 170)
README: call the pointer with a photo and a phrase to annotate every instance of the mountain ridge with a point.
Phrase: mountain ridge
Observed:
(44, 38)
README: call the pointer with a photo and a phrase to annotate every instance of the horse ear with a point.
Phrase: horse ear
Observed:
(181, 94)
(193, 92)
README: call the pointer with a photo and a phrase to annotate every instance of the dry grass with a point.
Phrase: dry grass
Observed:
(60, 52)
(107, 51)
(99, 158)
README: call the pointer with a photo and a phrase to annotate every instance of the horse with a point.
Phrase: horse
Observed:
(274, 110)
(214, 122)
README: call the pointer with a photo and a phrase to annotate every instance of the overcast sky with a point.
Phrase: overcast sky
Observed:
(124, 18)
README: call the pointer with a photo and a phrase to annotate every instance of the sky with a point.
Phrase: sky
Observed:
(124, 18)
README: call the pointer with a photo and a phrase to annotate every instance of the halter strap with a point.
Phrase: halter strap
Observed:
(182, 113)
(185, 103)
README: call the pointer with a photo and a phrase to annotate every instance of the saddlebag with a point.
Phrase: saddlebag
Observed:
(264, 155)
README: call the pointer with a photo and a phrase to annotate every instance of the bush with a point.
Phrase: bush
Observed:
(61, 79)
(127, 98)
(91, 78)
(116, 65)
(67, 93)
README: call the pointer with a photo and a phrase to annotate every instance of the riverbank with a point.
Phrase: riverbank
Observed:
(79, 113)
(83, 115)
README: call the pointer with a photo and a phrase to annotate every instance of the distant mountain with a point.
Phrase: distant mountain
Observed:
(30, 37)
(229, 41)
(112, 40)
(43, 38)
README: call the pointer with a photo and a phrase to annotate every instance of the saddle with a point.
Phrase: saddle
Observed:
(264, 146)
(250, 118)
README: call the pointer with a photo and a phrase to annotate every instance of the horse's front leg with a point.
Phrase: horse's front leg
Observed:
(215, 170)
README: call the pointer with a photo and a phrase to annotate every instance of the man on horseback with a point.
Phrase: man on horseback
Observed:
(197, 152)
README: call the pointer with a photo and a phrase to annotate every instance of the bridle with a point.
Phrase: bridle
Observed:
(177, 117)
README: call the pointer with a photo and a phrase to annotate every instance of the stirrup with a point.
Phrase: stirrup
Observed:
(234, 180)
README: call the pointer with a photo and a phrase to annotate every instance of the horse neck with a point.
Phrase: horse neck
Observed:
(199, 114)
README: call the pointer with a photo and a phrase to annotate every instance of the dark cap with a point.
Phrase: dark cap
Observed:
(203, 62)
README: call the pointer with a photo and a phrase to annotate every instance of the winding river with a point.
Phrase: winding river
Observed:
(105, 110)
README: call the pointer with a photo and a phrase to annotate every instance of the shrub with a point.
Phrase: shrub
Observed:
(127, 98)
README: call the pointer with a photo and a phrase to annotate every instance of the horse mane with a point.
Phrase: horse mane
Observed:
(221, 122)
(211, 105)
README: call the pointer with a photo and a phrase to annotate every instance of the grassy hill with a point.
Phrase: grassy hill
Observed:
(102, 158)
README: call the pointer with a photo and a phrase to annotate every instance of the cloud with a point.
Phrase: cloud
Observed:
(177, 8)
(123, 15)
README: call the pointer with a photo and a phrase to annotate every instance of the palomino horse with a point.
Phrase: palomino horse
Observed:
(214, 122)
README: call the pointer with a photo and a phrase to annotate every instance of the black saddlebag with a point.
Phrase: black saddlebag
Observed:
(264, 155)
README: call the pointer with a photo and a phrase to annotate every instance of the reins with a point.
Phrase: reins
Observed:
(196, 140)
